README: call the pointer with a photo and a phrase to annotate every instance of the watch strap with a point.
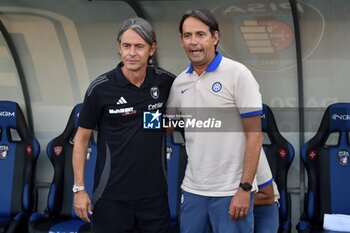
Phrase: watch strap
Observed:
(78, 188)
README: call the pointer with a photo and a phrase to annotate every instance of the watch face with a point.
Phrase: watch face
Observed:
(77, 188)
(246, 186)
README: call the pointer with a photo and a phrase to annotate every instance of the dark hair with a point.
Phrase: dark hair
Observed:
(203, 15)
(142, 27)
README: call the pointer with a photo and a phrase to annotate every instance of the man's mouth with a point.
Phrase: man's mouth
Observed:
(196, 51)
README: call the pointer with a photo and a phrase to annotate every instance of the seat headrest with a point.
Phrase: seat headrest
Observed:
(72, 124)
(268, 122)
(8, 114)
(336, 118)
(75, 115)
(11, 117)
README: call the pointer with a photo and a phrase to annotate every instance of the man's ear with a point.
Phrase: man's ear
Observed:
(182, 42)
(118, 49)
(216, 37)
(153, 49)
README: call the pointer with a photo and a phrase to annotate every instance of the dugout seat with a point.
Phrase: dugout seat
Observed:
(326, 159)
(176, 165)
(60, 215)
(19, 151)
(280, 155)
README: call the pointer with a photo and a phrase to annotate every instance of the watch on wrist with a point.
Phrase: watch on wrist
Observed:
(246, 186)
(78, 188)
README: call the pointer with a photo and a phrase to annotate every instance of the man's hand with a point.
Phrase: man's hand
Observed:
(239, 206)
(82, 205)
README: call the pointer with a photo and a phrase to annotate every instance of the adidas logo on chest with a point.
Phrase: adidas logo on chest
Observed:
(121, 100)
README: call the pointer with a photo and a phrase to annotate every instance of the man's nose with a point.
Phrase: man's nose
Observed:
(132, 51)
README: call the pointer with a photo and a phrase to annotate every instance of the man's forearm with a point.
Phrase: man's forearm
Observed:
(79, 160)
(81, 142)
(251, 158)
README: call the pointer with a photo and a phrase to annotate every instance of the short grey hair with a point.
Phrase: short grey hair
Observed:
(142, 27)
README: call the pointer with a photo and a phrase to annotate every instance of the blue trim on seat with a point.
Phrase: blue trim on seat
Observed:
(77, 110)
(36, 216)
(339, 193)
(67, 226)
(310, 207)
(264, 125)
(26, 198)
(303, 225)
(264, 148)
(7, 162)
(36, 148)
(48, 151)
(18, 216)
(173, 179)
(291, 152)
(52, 193)
(303, 152)
(283, 202)
(6, 179)
(285, 224)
